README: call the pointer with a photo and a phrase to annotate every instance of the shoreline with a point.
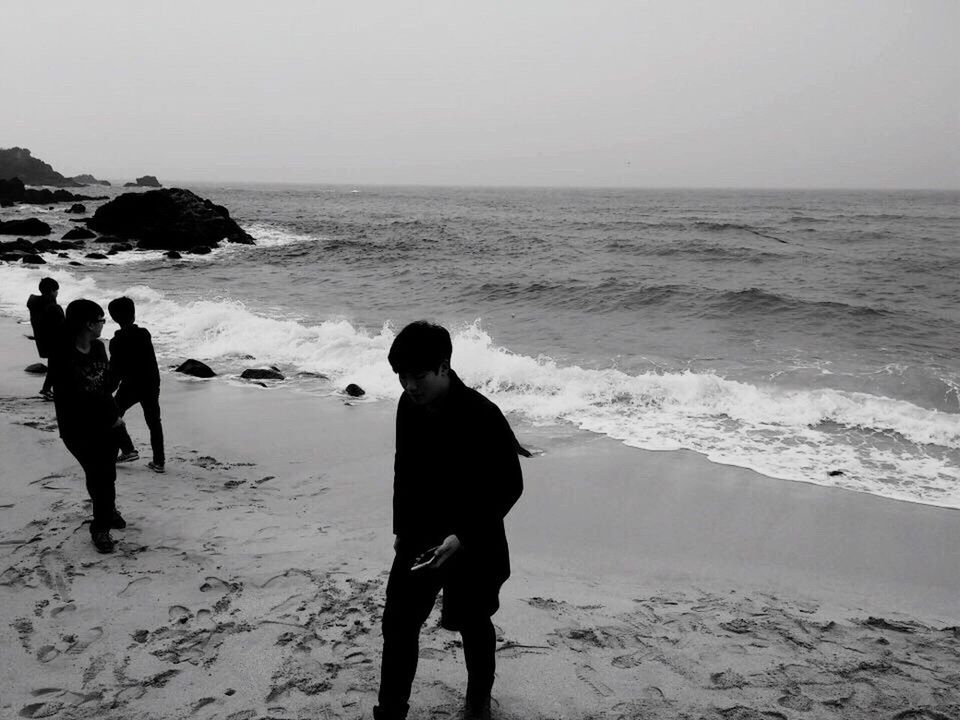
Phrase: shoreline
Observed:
(645, 584)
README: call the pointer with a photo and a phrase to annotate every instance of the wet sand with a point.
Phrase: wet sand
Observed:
(249, 582)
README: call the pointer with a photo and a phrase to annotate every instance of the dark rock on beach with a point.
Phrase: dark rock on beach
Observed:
(196, 369)
(76, 208)
(33, 260)
(148, 181)
(171, 219)
(36, 369)
(172, 254)
(199, 250)
(261, 374)
(354, 390)
(18, 244)
(96, 256)
(29, 226)
(79, 233)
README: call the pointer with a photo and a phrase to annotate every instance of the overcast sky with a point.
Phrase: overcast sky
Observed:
(732, 93)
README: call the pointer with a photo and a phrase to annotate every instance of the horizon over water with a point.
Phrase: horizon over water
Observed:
(794, 332)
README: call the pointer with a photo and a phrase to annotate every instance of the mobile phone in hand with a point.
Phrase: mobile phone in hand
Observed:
(424, 559)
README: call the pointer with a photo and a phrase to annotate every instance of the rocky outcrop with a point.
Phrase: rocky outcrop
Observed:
(19, 163)
(76, 208)
(78, 233)
(89, 180)
(270, 373)
(145, 181)
(196, 369)
(13, 190)
(23, 245)
(30, 226)
(169, 219)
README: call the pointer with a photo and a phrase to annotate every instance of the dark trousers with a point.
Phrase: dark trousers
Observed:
(98, 458)
(149, 399)
(410, 597)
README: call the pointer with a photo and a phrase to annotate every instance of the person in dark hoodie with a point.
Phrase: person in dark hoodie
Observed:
(87, 415)
(46, 318)
(456, 475)
(134, 362)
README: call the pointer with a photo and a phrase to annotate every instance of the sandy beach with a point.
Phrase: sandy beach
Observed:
(249, 582)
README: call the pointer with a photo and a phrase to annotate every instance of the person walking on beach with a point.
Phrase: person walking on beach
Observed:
(456, 475)
(134, 363)
(87, 415)
(46, 318)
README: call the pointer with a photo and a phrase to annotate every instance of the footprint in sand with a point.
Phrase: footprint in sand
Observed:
(214, 584)
(41, 710)
(132, 584)
(69, 607)
(82, 643)
(47, 653)
(591, 678)
(178, 613)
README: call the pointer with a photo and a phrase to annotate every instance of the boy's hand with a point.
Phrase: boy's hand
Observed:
(447, 548)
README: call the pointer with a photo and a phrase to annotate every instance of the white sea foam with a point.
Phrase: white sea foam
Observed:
(880, 445)
(271, 236)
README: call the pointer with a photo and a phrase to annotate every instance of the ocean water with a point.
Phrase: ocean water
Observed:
(809, 335)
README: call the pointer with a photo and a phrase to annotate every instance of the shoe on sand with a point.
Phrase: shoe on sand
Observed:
(117, 522)
(46, 394)
(103, 542)
(128, 456)
(478, 709)
(156, 467)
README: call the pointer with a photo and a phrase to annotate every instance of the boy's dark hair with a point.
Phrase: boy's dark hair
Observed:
(420, 346)
(122, 310)
(79, 313)
(48, 285)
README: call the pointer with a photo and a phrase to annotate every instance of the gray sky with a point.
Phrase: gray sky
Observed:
(754, 93)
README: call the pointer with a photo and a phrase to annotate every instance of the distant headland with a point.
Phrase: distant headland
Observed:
(17, 162)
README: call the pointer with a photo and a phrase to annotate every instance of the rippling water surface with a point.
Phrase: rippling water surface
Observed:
(796, 333)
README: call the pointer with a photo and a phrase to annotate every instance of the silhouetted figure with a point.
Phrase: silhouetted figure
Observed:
(456, 475)
(87, 414)
(46, 318)
(134, 364)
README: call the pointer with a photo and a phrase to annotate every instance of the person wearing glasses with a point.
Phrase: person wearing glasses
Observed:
(87, 414)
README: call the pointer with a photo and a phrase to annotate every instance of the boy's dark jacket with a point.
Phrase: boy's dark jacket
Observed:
(83, 391)
(46, 318)
(132, 358)
(456, 472)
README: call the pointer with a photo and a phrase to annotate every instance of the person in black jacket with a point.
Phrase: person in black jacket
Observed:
(456, 475)
(87, 416)
(46, 318)
(134, 363)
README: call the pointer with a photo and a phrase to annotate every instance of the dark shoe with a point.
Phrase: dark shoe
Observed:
(117, 522)
(46, 394)
(381, 714)
(156, 467)
(129, 456)
(476, 709)
(103, 542)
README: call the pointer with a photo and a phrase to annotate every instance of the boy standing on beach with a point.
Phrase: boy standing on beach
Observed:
(456, 475)
(46, 318)
(134, 363)
(87, 415)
